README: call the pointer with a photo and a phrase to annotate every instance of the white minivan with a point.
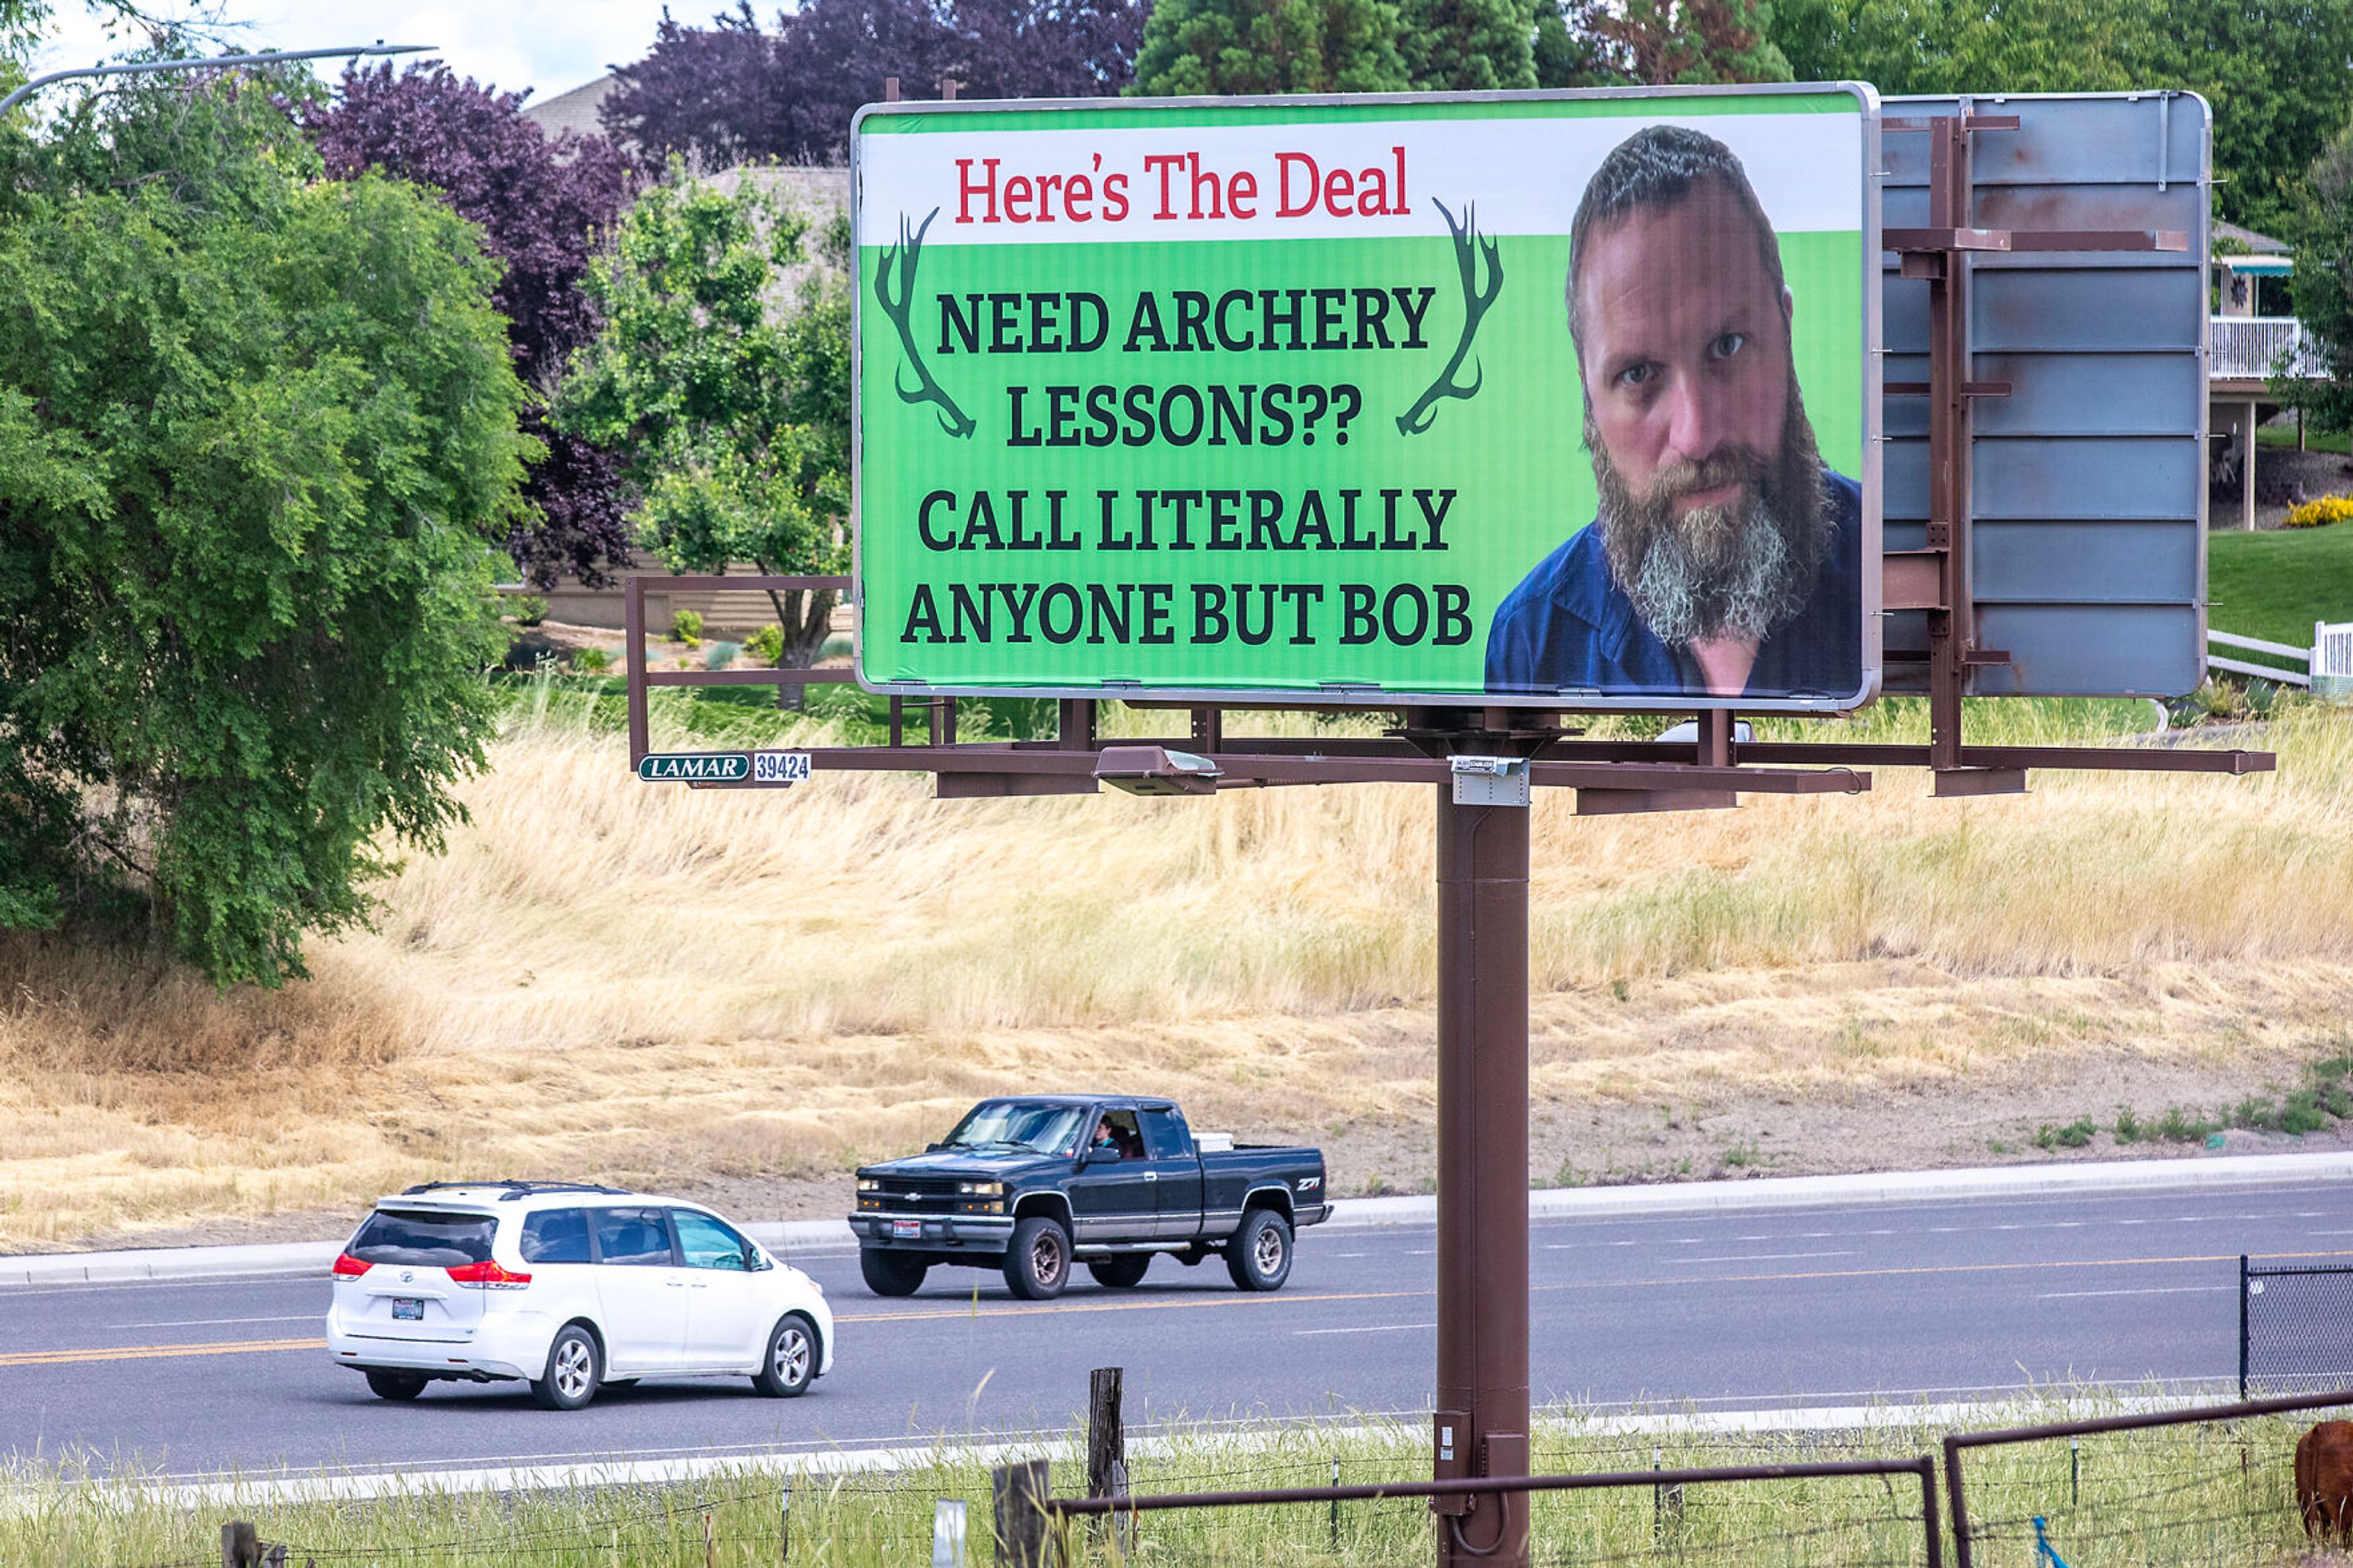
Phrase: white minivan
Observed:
(569, 1287)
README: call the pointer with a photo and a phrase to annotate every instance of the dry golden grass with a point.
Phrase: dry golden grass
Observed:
(726, 988)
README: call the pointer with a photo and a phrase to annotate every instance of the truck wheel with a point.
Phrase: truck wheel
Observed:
(1119, 1273)
(892, 1273)
(1038, 1260)
(1258, 1256)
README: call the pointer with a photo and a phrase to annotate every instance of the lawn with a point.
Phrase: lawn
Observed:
(2314, 440)
(2275, 584)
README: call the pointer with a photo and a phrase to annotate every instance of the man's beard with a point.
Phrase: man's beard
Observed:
(1744, 569)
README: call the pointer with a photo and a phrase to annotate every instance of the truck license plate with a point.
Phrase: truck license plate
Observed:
(907, 1229)
(405, 1311)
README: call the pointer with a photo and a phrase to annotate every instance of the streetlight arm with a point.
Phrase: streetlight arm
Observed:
(11, 101)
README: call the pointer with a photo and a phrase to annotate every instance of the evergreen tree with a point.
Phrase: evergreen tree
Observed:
(1688, 43)
(1237, 47)
(1468, 46)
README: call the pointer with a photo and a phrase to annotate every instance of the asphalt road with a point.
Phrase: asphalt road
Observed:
(1942, 1300)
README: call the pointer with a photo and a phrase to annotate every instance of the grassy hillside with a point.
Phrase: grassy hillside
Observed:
(2274, 584)
(725, 990)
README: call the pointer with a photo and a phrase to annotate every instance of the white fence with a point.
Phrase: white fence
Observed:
(2243, 348)
(2327, 664)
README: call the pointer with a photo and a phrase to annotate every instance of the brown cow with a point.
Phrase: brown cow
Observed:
(2324, 1479)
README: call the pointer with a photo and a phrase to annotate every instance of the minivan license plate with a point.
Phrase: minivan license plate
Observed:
(405, 1311)
(907, 1229)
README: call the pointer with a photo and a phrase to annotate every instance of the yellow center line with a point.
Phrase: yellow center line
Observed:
(1238, 1300)
(139, 1353)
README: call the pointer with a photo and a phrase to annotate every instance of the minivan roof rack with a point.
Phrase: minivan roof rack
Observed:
(512, 1189)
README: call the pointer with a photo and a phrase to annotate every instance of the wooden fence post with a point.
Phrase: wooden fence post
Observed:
(1107, 1452)
(1020, 1492)
(240, 1547)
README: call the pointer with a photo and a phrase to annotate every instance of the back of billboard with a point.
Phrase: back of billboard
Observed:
(1545, 399)
(2087, 546)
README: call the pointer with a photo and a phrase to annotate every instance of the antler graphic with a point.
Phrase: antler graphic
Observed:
(953, 420)
(1469, 245)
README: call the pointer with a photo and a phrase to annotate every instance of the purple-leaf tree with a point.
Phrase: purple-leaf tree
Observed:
(541, 205)
(730, 93)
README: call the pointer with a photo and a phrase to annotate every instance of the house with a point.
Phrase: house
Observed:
(2245, 345)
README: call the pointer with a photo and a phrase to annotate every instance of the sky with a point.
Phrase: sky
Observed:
(549, 45)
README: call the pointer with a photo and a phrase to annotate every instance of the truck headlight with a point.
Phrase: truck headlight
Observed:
(981, 1189)
(868, 1185)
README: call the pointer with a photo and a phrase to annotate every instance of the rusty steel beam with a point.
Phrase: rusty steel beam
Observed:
(1482, 1168)
(748, 584)
(835, 674)
(633, 661)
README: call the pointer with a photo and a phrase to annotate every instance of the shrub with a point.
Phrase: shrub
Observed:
(591, 661)
(2320, 512)
(720, 655)
(2075, 1135)
(2130, 1129)
(766, 644)
(687, 627)
(530, 609)
(2178, 1126)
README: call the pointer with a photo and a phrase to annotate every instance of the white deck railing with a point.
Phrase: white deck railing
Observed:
(2242, 348)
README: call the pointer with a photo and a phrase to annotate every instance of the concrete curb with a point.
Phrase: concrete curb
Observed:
(2188, 1173)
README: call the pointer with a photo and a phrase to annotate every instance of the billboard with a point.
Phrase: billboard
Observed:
(1549, 399)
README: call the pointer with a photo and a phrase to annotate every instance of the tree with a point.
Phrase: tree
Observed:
(256, 429)
(1230, 47)
(730, 93)
(2275, 71)
(543, 206)
(2322, 286)
(1468, 46)
(1566, 53)
(735, 426)
(1688, 43)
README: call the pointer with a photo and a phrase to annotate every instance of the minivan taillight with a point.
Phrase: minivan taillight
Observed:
(488, 1275)
(350, 1268)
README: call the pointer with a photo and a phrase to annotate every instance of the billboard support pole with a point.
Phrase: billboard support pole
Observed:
(1483, 1173)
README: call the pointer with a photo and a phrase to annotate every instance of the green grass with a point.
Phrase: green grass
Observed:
(2182, 1496)
(2273, 585)
(2314, 440)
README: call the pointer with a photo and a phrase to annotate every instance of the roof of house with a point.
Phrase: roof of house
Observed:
(573, 111)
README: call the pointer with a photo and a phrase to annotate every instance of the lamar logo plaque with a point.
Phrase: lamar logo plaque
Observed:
(695, 767)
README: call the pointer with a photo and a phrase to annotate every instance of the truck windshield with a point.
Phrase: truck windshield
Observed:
(1020, 1124)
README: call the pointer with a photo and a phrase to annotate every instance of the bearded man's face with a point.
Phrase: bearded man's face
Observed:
(1712, 513)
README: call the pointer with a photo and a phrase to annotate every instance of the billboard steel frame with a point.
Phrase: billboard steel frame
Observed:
(1483, 1378)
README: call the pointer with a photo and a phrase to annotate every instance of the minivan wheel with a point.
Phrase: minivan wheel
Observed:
(1038, 1259)
(790, 1364)
(1119, 1273)
(395, 1384)
(889, 1273)
(575, 1367)
(1258, 1256)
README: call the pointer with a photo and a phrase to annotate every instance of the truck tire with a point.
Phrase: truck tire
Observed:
(1120, 1273)
(892, 1273)
(1258, 1255)
(1038, 1260)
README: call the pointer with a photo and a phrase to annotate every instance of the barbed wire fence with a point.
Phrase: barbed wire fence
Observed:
(2200, 1488)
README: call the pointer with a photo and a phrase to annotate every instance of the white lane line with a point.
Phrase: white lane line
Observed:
(2328, 1233)
(2146, 1290)
(1375, 1329)
(213, 1322)
(1347, 1254)
(1771, 1257)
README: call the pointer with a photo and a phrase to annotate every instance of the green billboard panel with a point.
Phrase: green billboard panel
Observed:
(1561, 400)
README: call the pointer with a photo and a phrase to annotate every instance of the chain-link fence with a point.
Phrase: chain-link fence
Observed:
(2296, 1328)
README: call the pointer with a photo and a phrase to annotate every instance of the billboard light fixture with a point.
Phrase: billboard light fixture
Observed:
(1156, 770)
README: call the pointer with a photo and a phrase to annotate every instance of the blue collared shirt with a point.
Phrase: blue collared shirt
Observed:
(1570, 627)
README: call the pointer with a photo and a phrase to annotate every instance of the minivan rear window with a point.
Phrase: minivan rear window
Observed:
(426, 1240)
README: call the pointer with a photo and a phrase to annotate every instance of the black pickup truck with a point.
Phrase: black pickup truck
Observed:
(1031, 1183)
